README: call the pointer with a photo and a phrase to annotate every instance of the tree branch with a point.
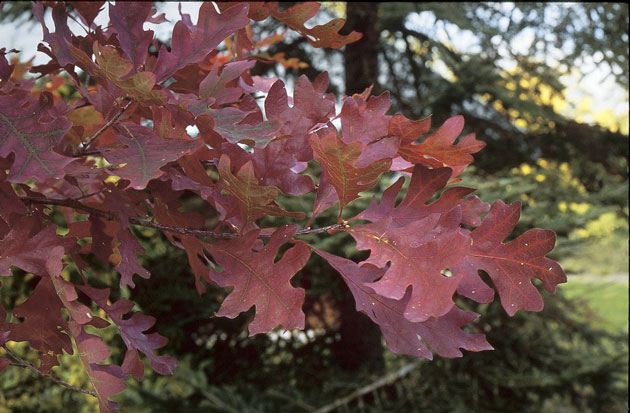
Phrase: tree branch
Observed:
(20, 362)
(383, 381)
(98, 133)
(73, 203)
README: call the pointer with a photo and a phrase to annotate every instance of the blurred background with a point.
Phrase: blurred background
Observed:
(545, 85)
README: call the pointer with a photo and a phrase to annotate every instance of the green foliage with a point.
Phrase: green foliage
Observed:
(592, 225)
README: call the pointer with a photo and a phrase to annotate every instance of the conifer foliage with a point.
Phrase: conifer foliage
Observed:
(116, 155)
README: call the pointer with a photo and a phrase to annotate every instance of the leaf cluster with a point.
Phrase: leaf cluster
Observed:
(119, 157)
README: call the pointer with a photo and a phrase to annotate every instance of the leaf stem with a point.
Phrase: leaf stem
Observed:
(75, 204)
(20, 362)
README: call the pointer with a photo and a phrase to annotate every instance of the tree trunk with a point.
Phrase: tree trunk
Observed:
(360, 345)
(361, 58)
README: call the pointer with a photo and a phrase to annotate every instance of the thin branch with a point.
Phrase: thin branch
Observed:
(90, 194)
(383, 381)
(98, 133)
(20, 362)
(73, 203)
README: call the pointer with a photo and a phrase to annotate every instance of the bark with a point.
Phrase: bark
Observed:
(361, 58)
(360, 346)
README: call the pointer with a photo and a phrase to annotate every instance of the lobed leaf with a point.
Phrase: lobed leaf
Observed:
(424, 184)
(324, 35)
(511, 266)
(438, 150)
(132, 332)
(127, 19)
(338, 163)
(191, 43)
(443, 335)
(254, 200)
(260, 281)
(107, 379)
(30, 130)
(145, 153)
(417, 253)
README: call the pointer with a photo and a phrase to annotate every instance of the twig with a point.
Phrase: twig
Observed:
(73, 203)
(25, 364)
(383, 381)
(98, 133)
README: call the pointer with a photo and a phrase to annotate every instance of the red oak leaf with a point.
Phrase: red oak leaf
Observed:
(30, 130)
(107, 379)
(259, 281)
(438, 150)
(129, 248)
(215, 85)
(192, 44)
(145, 153)
(41, 327)
(66, 291)
(409, 130)
(88, 10)
(11, 203)
(4, 362)
(131, 330)
(166, 211)
(417, 253)
(273, 165)
(511, 266)
(424, 184)
(443, 335)
(61, 39)
(326, 197)
(235, 125)
(364, 120)
(169, 124)
(324, 35)
(127, 19)
(28, 246)
(254, 200)
(312, 106)
(116, 70)
(338, 163)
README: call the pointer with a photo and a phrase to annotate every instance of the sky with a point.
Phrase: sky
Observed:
(589, 97)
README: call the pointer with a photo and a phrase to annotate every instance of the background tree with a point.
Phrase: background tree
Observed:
(264, 355)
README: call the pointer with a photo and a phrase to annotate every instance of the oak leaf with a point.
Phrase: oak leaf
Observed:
(443, 335)
(338, 163)
(30, 130)
(439, 150)
(512, 265)
(260, 281)
(254, 200)
(145, 153)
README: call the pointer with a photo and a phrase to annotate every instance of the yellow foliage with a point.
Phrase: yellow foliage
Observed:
(580, 233)
(339, 7)
(600, 227)
(579, 208)
(521, 123)
(562, 206)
